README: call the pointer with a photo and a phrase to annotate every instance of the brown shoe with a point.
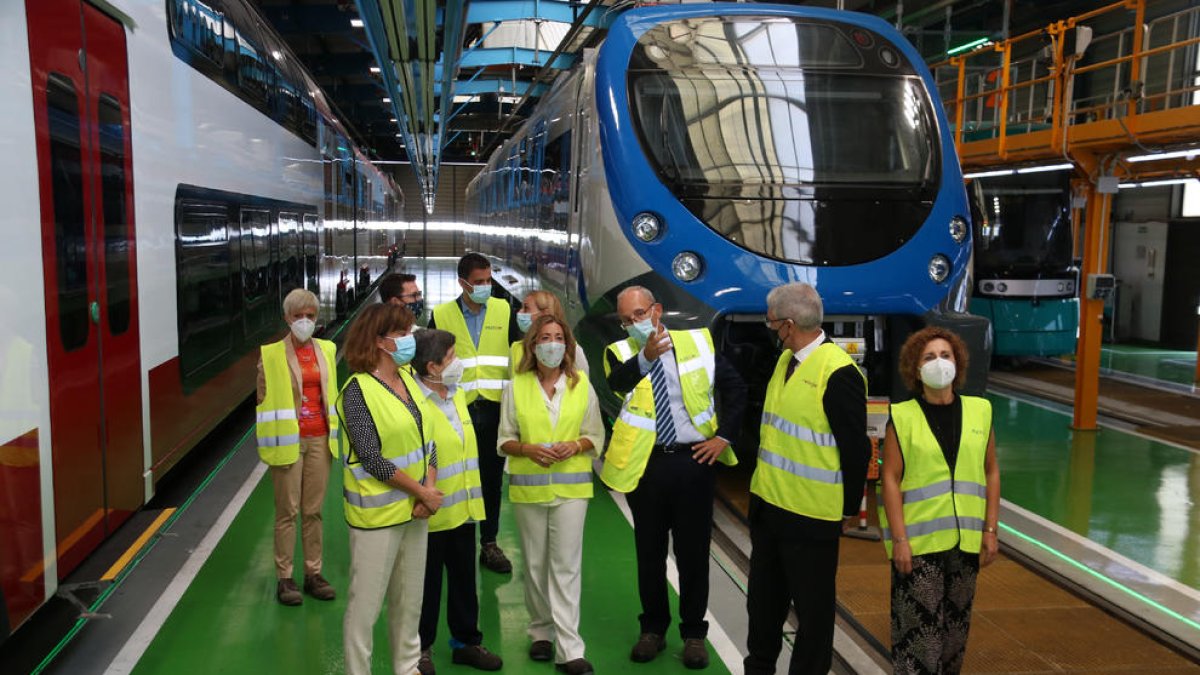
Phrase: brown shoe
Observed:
(477, 657)
(576, 667)
(695, 654)
(287, 593)
(541, 650)
(491, 557)
(318, 587)
(647, 647)
(425, 664)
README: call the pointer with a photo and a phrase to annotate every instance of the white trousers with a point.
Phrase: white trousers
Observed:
(388, 562)
(552, 546)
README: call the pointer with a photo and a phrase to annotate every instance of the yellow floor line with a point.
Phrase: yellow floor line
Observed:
(137, 546)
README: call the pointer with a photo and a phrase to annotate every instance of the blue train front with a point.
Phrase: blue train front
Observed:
(712, 152)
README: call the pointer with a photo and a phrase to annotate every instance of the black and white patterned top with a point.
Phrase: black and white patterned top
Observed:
(360, 427)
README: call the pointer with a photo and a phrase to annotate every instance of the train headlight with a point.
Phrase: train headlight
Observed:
(646, 226)
(958, 229)
(939, 268)
(687, 266)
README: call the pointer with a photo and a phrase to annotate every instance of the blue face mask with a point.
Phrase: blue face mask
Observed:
(641, 331)
(480, 294)
(550, 354)
(524, 321)
(406, 348)
(417, 308)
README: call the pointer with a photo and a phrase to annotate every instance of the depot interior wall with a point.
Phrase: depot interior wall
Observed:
(1153, 252)
(450, 207)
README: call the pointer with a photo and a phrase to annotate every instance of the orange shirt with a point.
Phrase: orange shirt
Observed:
(312, 407)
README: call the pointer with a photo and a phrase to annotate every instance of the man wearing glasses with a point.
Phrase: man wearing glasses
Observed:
(402, 289)
(807, 485)
(661, 452)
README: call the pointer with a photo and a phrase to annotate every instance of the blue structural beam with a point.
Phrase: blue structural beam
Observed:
(487, 11)
(491, 56)
(498, 85)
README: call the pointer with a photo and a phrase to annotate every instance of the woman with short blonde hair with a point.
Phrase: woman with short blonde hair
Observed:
(297, 384)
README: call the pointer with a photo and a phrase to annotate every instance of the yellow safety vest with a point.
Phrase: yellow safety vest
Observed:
(529, 482)
(486, 366)
(277, 428)
(941, 512)
(799, 467)
(633, 432)
(371, 503)
(458, 463)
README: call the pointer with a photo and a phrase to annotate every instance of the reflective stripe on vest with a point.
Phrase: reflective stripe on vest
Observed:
(940, 512)
(799, 468)
(371, 503)
(529, 482)
(277, 428)
(458, 464)
(633, 432)
(485, 367)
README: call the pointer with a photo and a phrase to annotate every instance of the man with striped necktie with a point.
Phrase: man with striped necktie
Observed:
(663, 446)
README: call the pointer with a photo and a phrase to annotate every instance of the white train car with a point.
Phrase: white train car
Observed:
(169, 173)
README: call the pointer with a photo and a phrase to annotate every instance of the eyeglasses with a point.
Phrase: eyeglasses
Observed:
(639, 314)
(769, 323)
(417, 295)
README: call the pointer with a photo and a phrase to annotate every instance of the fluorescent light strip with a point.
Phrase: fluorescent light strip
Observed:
(356, 23)
(1156, 183)
(970, 45)
(986, 174)
(1175, 154)
(1049, 167)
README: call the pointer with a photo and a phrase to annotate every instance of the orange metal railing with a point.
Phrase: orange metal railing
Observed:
(1031, 83)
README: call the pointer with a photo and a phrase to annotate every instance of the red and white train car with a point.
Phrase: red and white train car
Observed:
(169, 172)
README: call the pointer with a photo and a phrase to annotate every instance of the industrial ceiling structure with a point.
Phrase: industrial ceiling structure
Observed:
(432, 81)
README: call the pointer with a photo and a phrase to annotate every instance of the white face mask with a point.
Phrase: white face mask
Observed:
(303, 329)
(938, 373)
(550, 354)
(453, 373)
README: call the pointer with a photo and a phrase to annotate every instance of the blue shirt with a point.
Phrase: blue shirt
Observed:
(474, 321)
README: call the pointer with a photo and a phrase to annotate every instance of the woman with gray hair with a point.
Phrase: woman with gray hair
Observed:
(297, 386)
(451, 543)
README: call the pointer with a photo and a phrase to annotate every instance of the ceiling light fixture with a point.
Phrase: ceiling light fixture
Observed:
(1190, 153)
(1048, 167)
(988, 174)
(356, 23)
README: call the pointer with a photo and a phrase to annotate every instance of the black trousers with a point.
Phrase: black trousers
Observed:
(790, 566)
(674, 497)
(453, 550)
(485, 416)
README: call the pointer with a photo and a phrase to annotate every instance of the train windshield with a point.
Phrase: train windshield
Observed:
(783, 135)
(1023, 225)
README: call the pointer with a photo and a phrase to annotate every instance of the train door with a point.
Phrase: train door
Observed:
(578, 168)
(81, 103)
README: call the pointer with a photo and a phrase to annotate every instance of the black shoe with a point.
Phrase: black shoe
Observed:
(477, 657)
(541, 650)
(318, 587)
(287, 593)
(647, 647)
(491, 557)
(425, 664)
(695, 654)
(576, 667)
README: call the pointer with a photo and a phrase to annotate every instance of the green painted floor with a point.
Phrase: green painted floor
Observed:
(228, 620)
(1136, 496)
